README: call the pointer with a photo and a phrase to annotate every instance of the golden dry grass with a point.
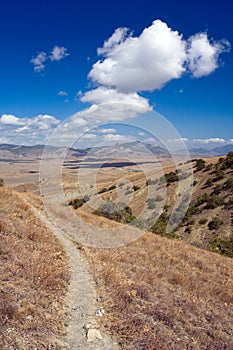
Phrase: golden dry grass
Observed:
(34, 276)
(163, 294)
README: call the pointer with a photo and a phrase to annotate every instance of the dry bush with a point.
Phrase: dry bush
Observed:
(33, 274)
(163, 294)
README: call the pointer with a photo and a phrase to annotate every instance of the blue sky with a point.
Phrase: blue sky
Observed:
(37, 92)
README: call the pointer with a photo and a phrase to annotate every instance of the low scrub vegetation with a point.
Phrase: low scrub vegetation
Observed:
(200, 164)
(78, 202)
(215, 223)
(116, 211)
(222, 246)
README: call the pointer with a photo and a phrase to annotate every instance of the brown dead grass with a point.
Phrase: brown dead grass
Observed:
(34, 276)
(163, 294)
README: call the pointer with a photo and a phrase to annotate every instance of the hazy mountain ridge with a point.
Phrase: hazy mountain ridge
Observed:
(11, 151)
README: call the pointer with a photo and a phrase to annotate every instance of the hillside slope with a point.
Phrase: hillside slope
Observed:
(163, 294)
(33, 279)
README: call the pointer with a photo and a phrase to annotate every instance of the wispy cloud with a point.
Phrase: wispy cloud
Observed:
(210, 140)
(62, 93)
(107, 131)
(181, 139)
(118, 138)
(57, 54)
(38, 62)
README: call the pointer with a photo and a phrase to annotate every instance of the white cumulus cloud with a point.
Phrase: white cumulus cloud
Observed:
(150, 60)
(10, 119)
(104, 95)
(118, 37)
(140, 63)
(203, 55)
(29, 131)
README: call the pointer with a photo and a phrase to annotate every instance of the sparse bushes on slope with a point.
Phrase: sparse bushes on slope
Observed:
(116, 211)
(215, 223)
(229, 160)
(202, 221)
(78, 202)
(200, 164)
(229, 184)
(221, 246)
(214, 202)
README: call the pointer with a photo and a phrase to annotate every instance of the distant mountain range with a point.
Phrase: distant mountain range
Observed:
(121, 150)
(214, 152)
(21, 152)
(137, 148)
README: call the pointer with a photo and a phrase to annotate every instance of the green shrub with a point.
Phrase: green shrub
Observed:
(219, 175)
(229, 204)
(215, 223)
(200, 164)
(202, 221)
(166, 207)
(202, 199)
(1, 182)
(115, 211)
(208, 167)
(112, 188)
(229, 184)
(209, 183)
(214, 202)
(217, 189)
(223, 166)
(171, 177)
(190, 221)
(77, 203)
(103, 190)
(229, 160)
(188, 229)
(151, 182)
(136, 188)
(224, 247)
(160, 226)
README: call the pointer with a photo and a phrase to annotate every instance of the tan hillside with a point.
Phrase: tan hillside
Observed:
(157, 293)
(33, 279)
(163, 294)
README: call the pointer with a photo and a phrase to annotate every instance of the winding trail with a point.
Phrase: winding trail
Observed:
(82, 330)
